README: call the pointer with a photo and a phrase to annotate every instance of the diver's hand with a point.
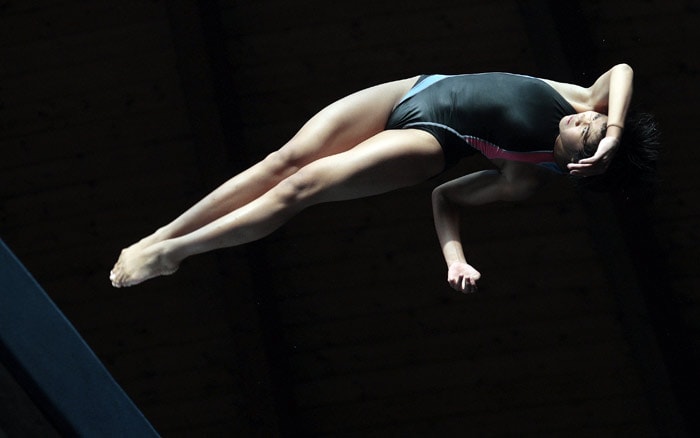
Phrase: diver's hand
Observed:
(598, 163)
(463, 277)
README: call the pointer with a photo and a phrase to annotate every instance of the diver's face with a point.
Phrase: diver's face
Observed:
(582, 129)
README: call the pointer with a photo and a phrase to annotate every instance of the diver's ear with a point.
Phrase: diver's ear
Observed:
(560, 156)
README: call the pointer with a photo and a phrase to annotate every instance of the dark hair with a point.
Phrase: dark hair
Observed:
(633, 168)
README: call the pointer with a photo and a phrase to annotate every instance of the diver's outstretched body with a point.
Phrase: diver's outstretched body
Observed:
(347, 151)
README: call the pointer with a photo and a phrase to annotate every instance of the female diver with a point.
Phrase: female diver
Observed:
(402, 133)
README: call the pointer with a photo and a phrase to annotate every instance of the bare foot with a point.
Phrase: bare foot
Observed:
(139, 263)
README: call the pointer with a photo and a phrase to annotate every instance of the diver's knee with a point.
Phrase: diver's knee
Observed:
(282, 162)
(297, 189)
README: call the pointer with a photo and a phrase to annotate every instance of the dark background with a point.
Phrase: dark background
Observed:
(115, 116)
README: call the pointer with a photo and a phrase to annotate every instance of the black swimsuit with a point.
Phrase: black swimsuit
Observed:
(501, 115)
